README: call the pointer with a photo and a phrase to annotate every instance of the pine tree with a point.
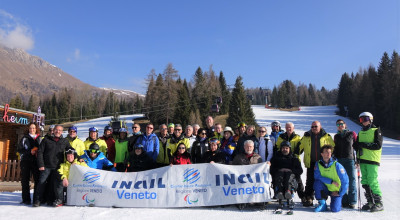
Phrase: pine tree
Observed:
(182, 112)
(240, 108)
(225, 94)
(17, 102)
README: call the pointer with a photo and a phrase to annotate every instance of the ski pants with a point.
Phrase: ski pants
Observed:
(53, 177)
(369, 176)
(350, 197)
(322, 192)
(309, 190)
(285, 180)
(28, 167)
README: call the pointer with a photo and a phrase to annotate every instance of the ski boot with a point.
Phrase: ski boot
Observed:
(278, 209)
(370, 199)
(321, 206)
(290, 206)
(288, 194)
(378, 206)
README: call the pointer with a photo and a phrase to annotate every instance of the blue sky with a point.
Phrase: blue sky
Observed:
(117, 43)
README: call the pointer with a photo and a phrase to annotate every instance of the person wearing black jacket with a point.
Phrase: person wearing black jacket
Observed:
(27, 149)
(344, 153)
(286, 170)
(248, 135)
(50, 156)
(214, 155)
(139, 160)
(200, 146)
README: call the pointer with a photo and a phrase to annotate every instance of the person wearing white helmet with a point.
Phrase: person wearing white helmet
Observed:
(94, 138)
(369, 150)
(276, 131)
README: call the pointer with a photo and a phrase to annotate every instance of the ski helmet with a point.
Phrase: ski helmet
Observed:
(70, 150)
(73, 128)
(275, 123)
(123, 130)
(108, 127)
(366, 116)
(94, 148)
(93, 129)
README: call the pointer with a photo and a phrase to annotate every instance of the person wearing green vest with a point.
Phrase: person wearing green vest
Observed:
(330, 180)
(121, 150)
(369, 150)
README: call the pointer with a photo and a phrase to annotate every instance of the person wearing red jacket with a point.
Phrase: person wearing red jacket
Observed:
(108, 138)
(181, 156)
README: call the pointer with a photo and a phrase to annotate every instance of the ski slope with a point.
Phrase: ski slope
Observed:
(389, 179)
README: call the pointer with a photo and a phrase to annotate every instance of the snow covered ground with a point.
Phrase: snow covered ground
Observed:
(389, 179)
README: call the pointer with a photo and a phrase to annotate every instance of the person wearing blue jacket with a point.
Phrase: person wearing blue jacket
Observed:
(330, 180)
(150, 142)
(94, 158)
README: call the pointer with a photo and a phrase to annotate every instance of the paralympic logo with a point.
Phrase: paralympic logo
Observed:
(86, 198)
(191, 175)
(91, 177)
(188, 201)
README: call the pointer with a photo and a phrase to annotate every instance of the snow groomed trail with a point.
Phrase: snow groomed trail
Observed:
(389, 180)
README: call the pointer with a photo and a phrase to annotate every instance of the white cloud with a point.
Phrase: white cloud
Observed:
(13, 33)
(77, 54)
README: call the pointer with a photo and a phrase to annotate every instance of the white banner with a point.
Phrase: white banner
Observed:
(176, 186)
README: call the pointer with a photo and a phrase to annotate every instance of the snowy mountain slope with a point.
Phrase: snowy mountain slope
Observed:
(389, 179)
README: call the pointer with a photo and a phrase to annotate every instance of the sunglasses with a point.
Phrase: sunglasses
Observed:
(339, 124)
(150, 128)
(138, 148)
(181, 148)
(134, 127)
(314, 126)
(94, 151)
(261, 131)
(72, 131)
(177, 129)
(203, 133)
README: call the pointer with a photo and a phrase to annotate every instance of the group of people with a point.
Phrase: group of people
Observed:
(330, 162)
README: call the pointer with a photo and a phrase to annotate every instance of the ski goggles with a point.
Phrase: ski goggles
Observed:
(214, 140)
(93, 129)
(94, 151)
(69, 151)
(364, 119)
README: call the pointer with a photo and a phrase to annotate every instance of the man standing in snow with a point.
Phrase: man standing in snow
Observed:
(311, 144)
(330, 180)
(369, 150)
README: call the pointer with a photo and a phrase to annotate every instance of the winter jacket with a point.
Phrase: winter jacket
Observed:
(344, 144)
(26, 145)
(216, 156)
(140, 162)
(192, 139)
(100, 162)
(227, 147)
(275, 135)
(217, 135)
(294, 139)
(110, 147)
(51, 152)
(244, 159)
(179, 159)
(199, 148)
(77, 144)
(240, 145)
(163, 157)
(280, 161)
(132, 140)
(102, 144)
(340, 172)
(173, 142)
(306, 145)
(151, 145)
(65, 167)
(265, 149)
(121, 150)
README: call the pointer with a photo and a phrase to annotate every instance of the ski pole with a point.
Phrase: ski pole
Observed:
(359, 185)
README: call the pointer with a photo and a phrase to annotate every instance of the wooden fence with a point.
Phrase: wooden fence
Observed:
(10, 171)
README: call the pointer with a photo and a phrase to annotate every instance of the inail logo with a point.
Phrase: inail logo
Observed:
(86, 198)
(91, 176)
(191, 175)
(188, 201)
